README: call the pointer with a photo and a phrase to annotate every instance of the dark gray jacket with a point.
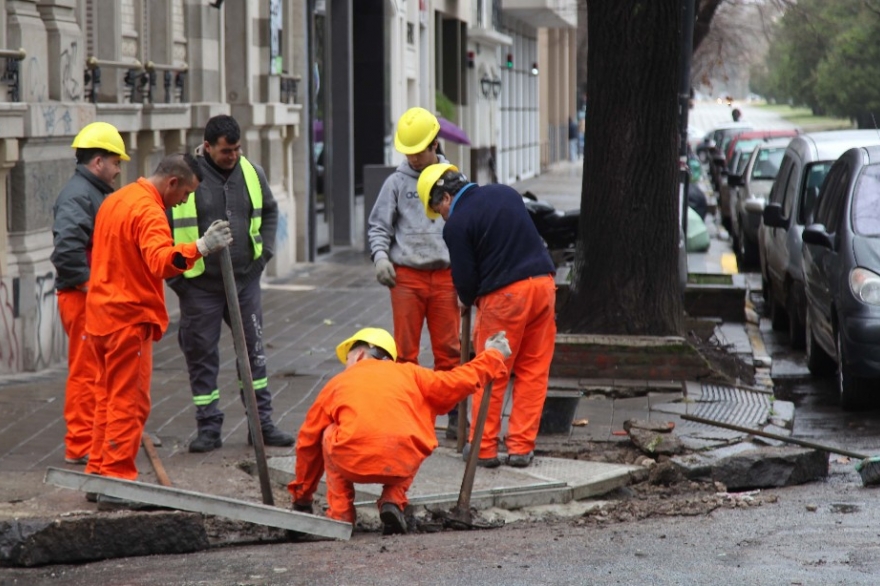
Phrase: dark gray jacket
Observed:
(218, 199)
(75, 211)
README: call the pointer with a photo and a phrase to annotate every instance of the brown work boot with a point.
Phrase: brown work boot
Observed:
(393, 521)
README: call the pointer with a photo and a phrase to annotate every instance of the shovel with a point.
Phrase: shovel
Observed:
(247, 380)
(461, 438)
(460, 515)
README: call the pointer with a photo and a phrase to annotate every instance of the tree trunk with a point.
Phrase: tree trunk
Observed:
(625, 275)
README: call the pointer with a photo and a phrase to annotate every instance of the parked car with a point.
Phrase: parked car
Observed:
(749, 188)
(842, 274)
(804, 166)
(721, 137)
(745, 143)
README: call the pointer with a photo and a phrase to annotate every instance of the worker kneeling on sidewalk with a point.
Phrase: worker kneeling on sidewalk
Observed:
(374, 423)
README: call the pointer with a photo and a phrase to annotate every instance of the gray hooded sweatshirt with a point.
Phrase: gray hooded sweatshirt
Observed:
(400, 230)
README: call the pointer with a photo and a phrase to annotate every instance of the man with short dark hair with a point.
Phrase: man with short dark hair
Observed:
(125, 308)
(237, 190)
(500, 264)
(99, 150)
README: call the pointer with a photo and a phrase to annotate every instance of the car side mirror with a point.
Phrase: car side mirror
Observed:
(816, 234)
(773, 216)
(735, 180)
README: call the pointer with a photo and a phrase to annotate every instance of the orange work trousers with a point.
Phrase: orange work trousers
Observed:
(82, 372)
(340, 484)
(526, 310)
(125, 360)
(430, 296)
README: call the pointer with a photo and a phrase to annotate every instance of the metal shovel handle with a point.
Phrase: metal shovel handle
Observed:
(470, 469)
(461, 438)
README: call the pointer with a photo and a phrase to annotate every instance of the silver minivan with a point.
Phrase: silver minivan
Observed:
(792, 198)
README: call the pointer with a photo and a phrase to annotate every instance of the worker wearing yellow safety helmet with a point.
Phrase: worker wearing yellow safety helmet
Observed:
(373, 423)
(99, 153)
(499, 264)
(409, 254)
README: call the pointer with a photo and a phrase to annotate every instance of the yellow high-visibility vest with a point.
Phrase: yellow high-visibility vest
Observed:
(185, 221)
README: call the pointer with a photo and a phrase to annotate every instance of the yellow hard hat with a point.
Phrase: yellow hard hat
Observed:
(427, 180)
(372, 336)
(416, 129)
(101, 135)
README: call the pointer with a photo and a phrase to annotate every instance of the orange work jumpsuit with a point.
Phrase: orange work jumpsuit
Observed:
(526, 310)
(374, 423)
(79, 395)
(133, 253)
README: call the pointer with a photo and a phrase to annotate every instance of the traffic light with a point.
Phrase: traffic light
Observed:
(470, 59)
(510, 60)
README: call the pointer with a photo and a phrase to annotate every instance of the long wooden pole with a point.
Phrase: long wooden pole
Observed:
(461, 438)
(244, 371)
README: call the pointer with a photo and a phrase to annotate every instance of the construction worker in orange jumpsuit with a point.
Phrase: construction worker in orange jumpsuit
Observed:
(99, 151)
(500, 264)
(374, 423)
(125, 309)
(410, 256)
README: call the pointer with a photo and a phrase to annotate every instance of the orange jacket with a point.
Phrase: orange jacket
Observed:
(384, 412)
(133, 252)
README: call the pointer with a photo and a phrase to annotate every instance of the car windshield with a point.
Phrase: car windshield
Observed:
(815, 177)
(866, 202)
(743, 160)
(767, 164)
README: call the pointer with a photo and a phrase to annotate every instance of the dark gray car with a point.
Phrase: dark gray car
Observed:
(842, 275)
(807, 160)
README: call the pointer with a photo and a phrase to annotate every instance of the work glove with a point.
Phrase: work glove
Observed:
(217, 237)
(304, 508)
(500, 343)
(385, 272)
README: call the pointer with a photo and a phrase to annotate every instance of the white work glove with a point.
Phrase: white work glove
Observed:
(385, 272)
(500, 343)
(217, 237)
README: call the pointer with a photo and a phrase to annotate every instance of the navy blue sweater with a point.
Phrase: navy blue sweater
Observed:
(492, 241)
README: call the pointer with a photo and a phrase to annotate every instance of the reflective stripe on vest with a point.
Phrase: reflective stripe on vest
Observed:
(185, 221)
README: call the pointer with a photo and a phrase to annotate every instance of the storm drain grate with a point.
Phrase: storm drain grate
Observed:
(732, 405)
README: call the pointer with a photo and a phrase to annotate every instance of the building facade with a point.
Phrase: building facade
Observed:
(316, 85)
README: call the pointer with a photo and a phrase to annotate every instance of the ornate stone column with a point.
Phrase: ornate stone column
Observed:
(66, 53)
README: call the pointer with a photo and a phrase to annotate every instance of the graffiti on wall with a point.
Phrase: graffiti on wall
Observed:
(71, 89)
(50, 342)
(36, 84)
(10, 348)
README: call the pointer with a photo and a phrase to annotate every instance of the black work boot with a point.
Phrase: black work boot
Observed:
(492, 462)
(452, 425)
(393, 521)
(206, 441)
(272, 436)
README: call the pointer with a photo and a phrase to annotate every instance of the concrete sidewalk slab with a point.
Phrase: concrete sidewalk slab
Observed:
(546, 481)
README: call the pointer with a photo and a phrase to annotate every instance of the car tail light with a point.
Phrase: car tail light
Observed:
(865, 285)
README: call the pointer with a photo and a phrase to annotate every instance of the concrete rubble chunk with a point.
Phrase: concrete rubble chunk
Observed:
(654, 443)
(764, 467)
(37, 542)
(656, 426)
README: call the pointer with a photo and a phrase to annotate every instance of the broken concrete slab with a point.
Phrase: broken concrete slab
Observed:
(187, 500)
(764, 467)
(546, 481)
(700, 464)
(89, 537)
